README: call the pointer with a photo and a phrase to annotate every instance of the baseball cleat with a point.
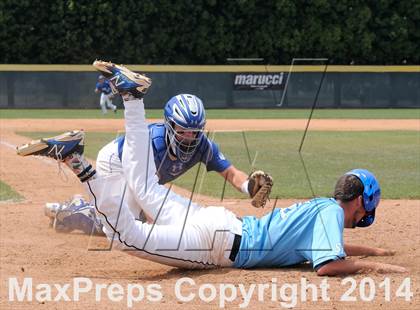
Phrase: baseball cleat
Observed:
(58, 147)
(76, 214)
(122, 80)
(51, 209)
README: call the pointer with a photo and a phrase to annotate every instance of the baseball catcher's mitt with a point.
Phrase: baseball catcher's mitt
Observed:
(259, 188)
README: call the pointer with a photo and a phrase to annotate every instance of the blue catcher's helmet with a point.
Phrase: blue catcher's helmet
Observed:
(101, 77)
(187, 112)
(371, 195)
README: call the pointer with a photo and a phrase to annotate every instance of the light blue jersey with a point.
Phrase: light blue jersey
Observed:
(310, 231)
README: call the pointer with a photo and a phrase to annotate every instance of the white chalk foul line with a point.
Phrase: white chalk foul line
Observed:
(43, 159)
(9, 145)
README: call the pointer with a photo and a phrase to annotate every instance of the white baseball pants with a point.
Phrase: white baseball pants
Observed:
(183, 234)
(106, 102)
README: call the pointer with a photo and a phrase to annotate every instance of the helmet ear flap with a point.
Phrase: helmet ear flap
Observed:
(371, 194)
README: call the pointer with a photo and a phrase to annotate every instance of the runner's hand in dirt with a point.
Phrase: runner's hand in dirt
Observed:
(353, 266)
(360, 250)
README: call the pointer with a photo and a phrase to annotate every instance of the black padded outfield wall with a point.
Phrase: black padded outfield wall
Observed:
(75, 89)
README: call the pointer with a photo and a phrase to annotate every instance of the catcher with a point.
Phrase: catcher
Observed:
(178, 144)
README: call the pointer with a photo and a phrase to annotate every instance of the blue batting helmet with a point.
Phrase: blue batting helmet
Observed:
(371, 195)
(186, 111)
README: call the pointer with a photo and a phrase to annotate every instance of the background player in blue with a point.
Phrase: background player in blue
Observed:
(178, 144)
(210, 237)
(105, 101)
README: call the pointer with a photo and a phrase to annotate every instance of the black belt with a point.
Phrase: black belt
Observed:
(235, 247)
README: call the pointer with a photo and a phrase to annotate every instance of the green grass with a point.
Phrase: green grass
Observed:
(7, 193)
(223, 113)
(394, 157)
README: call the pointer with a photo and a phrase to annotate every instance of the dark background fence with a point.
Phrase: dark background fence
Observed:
(75, 89)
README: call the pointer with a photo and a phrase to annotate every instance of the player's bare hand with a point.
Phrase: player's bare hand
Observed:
(388, 268)
(384, 252)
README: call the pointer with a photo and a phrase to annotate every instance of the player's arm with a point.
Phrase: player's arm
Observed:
(217, 162)
(359, 250)
(352, 266)
(236, 177)
(332, 262)
(257, 185)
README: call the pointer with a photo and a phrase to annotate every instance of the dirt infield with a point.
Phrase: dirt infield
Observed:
(29, 248)
(219, 124)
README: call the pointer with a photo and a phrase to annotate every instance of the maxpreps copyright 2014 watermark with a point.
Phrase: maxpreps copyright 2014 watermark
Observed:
(186, 290)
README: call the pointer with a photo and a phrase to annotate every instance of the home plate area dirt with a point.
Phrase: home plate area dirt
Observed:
(32, 253)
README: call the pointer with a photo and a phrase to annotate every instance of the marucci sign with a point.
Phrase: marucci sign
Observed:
(258, 81)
